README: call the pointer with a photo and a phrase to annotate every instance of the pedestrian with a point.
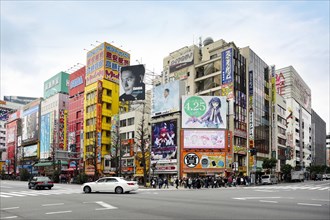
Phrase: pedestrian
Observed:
(177, 183)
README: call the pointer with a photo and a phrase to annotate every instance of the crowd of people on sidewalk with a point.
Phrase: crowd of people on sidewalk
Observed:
(201, 182)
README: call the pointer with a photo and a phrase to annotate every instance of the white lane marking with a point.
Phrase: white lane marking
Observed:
(4, 196)
(8, 217)
(268, 201)
(245, 198)
(26, 193)
(9, 208)
(7, 187)
(265, 190)
(12, 194)
(310, 204)
(52, 213)
(52, 204)
(323, 200)
(105, 205)
(325, 188)
(314, 188)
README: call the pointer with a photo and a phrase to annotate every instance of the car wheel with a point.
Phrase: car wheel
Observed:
(29, 186)
(87, 189)
(119, 190)
(36, 187)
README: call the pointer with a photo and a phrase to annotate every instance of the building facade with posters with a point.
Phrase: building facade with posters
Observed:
(29, 138)
(75, 127)
(101, 103)
(53, 133)
(13, 129)
(298, 116)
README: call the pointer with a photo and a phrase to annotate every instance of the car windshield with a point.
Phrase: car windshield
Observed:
(265, 177)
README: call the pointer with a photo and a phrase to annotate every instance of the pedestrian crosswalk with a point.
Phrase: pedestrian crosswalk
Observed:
(291, 187)
(9, 194)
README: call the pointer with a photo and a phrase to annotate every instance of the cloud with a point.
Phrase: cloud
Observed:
(40, 39)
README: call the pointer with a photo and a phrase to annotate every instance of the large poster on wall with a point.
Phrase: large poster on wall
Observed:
(204, 112)
(131, 83)
(203, 159)
(45, 140)
(164, 142)
(30, 124)
(166, 98)
(204, 139)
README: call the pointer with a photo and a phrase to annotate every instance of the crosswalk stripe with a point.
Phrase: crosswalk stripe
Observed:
(12, 194)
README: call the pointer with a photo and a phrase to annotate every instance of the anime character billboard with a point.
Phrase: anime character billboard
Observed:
(204, 112)
(164, 141)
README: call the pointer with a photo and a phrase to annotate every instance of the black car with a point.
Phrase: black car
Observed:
(40, 182)
(318, 177)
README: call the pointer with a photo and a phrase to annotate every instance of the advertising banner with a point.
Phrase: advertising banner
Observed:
(204, 139)
(115, 58)
(204, 112)
(200, 160)
(138, 163)
(228, 90)
(45, 137)
(166, 98)
(61, 130)
(227, 66)
(11, 132)
(164, 141)
(185, 60)
(30, 125)
(30, 151)
(131, 83)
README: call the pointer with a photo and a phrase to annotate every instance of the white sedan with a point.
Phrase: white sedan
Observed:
(110, 184)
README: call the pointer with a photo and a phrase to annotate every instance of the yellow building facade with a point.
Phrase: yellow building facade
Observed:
(101, 103)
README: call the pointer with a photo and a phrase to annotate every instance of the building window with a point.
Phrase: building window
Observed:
(123, 123)
(109, 92)
(130, 121)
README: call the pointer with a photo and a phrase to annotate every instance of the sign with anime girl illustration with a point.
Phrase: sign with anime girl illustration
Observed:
(204, 112)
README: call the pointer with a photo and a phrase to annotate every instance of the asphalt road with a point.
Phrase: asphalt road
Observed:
(308, 200)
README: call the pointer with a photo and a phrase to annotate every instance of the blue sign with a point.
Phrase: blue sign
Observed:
(227, 66)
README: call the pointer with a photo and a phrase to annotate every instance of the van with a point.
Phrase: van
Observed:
(268, 179)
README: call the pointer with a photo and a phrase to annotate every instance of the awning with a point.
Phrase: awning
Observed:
(45, 164)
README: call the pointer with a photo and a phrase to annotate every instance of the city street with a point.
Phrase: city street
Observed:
(307, 200)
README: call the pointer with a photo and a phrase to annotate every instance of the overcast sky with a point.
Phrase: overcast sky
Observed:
(40, 39)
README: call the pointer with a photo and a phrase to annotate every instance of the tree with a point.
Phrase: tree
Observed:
(115, 151)
(286, 170)
(142, 142)
(269, 164)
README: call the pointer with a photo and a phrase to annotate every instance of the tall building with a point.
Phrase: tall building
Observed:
(298, 115)
(318, 140)
(52, 150)
(328, 150)
(101, 103)
(279, 141)
(76, 118)
(259, 110)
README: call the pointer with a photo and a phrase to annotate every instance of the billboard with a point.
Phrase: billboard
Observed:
(30, 124)
(45, 136)
(200, 160)
(186, 59)
(56, 84)
(227, 66)
(11, 132)
(204, 139)
(164, 141)
(204, 112)
(104, 62)
(131, 83)
(166, 98)
(30, 151)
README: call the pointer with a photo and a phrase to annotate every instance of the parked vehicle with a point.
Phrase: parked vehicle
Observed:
(297, 176)
(318, 177)
(110, 184)
(326, 176)
(40, 182)
(269, 179)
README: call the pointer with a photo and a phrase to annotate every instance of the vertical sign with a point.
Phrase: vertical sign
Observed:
(227, 66)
